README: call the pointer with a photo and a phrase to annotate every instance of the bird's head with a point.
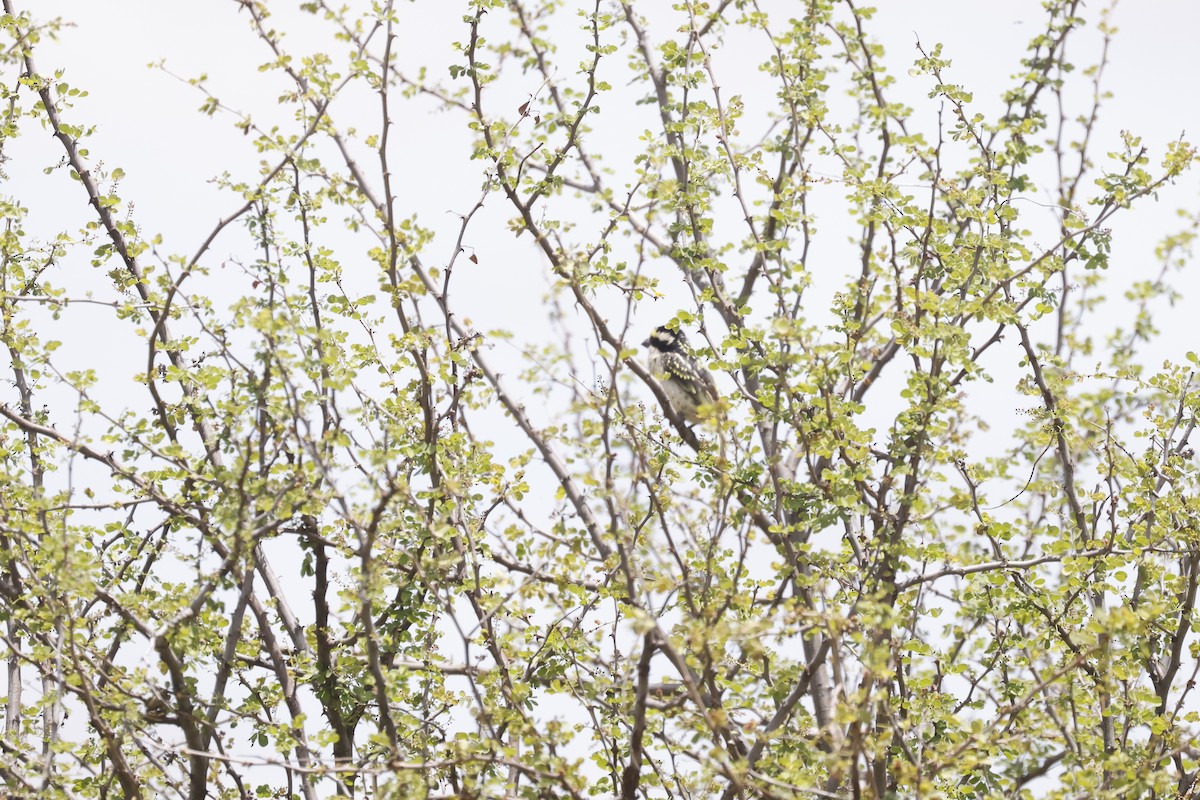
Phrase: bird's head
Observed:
(666, 339)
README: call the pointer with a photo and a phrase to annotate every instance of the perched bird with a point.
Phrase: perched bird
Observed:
(687, 384)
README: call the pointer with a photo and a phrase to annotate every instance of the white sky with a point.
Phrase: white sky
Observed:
(148, 124)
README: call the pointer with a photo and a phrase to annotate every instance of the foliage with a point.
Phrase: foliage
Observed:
(336, 539)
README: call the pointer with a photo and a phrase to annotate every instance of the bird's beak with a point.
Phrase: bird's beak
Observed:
(646, 343)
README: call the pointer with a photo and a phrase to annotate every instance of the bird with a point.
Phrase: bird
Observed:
(685, 381)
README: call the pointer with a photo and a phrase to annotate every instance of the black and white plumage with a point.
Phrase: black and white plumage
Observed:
(687, 384)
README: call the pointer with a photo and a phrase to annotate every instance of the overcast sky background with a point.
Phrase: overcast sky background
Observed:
(147, 124)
